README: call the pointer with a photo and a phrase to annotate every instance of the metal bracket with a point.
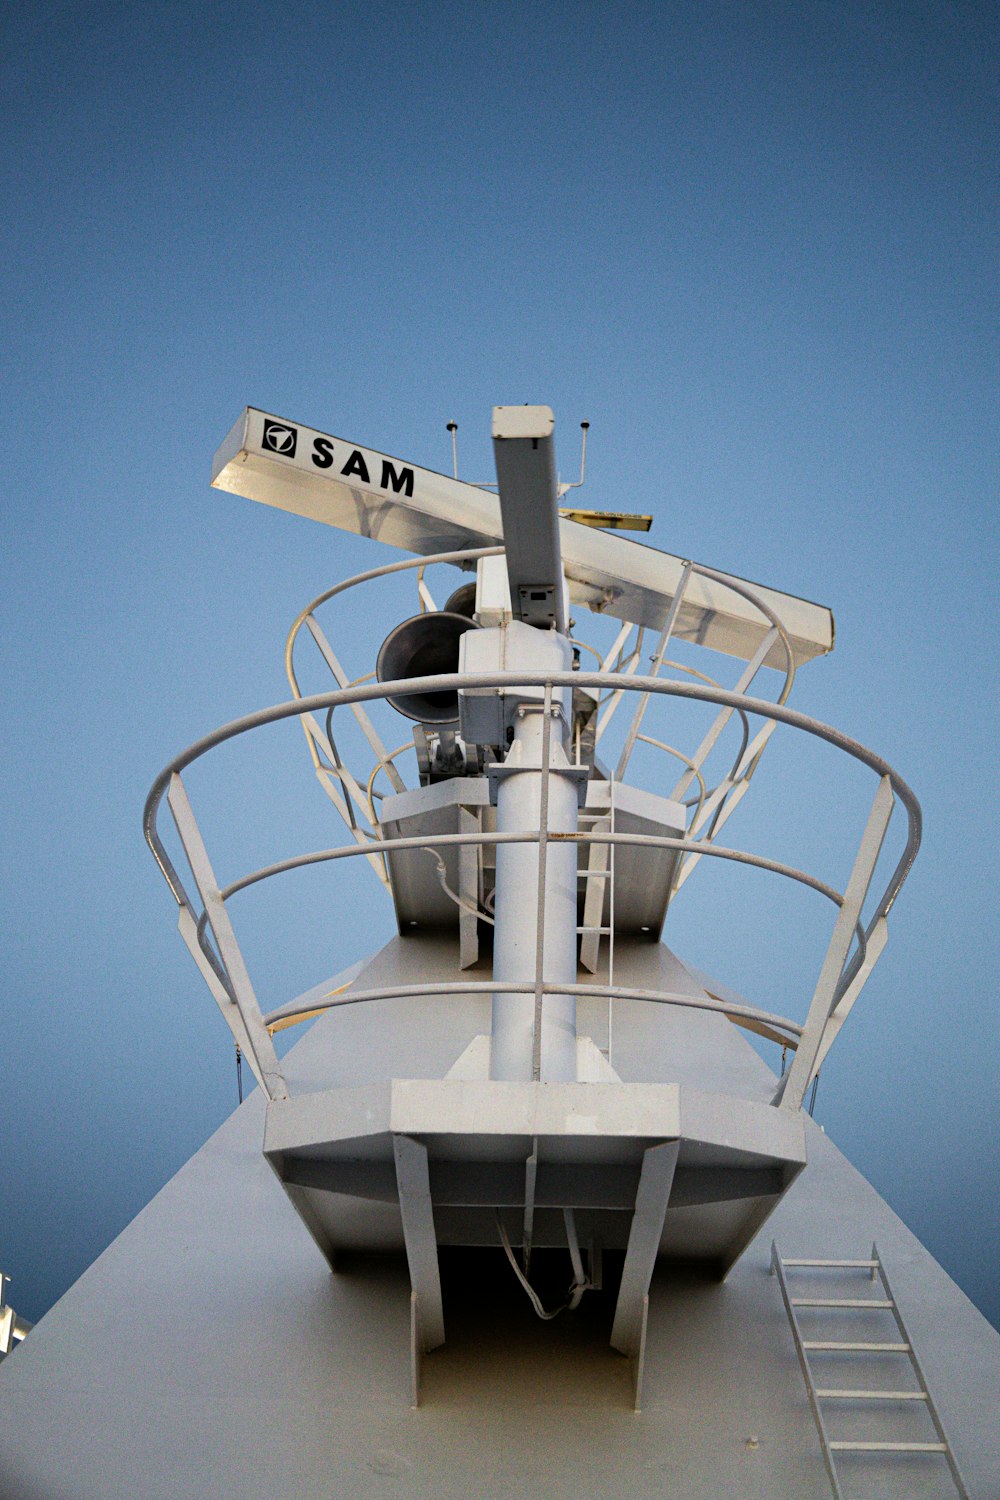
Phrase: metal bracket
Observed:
(413, 1180)
(628, 1335)
(579, 774)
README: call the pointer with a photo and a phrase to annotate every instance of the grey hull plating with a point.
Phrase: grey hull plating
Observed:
(210, 1351)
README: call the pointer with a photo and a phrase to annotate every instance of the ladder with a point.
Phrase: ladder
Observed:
(902, 1345)
(599, 878)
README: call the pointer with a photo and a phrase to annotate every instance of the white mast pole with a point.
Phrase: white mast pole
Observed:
(535, 884)
(518, 904)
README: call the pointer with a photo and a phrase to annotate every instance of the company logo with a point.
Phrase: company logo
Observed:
(279, 438)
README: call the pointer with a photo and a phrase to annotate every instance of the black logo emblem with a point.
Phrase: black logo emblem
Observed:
(279, 438)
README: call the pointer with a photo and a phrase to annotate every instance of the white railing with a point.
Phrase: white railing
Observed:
(853, 949)
(711, 806)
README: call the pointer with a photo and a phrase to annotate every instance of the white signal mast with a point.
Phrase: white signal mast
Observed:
(525, 1082)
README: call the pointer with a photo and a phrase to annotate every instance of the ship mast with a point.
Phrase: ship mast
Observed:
(531, 882)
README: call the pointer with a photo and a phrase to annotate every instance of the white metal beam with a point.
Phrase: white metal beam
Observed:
(413, 1179)
(791, 1090)
(260, 1051)
(524, 452)
(360, 490)
(655, 1181)
(468, 888)
(367, 727)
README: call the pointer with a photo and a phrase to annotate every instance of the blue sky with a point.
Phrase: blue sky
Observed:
(753, 246)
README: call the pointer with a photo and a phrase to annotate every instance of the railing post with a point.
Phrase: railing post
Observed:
(722, 719)
(543, 849)
(367, 727)
(315, 736)
(661, 650)
(876, 939)
(792, 1088)
(259, 1049)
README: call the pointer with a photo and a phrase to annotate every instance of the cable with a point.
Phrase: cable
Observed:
(576, 1290)
(460, 901)
(812, 1101)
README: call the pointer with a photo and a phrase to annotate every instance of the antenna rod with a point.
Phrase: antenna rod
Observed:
(453, 429)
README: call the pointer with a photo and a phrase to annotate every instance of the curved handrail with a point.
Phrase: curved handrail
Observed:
(526, 987)
(453, 840)
(838, 986)
(733, 785)
(455, 681)
(469, 554)
(746, 592)
(850, 969)
(480, 838)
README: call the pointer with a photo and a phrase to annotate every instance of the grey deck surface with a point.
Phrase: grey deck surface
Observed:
(210, 1352)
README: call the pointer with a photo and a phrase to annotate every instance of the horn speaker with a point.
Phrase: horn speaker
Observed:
(423, 646)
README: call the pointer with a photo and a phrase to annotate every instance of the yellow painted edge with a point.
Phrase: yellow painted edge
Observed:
(609, 520)
(304, 1015)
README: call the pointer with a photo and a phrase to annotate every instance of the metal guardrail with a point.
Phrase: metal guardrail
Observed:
(712, 807)
(843, 974)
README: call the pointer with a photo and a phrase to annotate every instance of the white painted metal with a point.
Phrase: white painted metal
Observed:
(231, 1013)
(722, 719)
(875, 943)
(523, 892)
(862, 1442)
(656, 1179)
(595, 889)
(407, 1128)
(259, 1047)
(658, 655)
(514, 649)
(12, 1328)
(242, 1366)
(493, 605)
(524, 451)
(372, 494)
(470, 888)
(417, 1214)
(792, 1088)
(367, 727)
(364, 692)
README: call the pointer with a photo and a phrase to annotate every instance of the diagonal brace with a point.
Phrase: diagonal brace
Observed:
(655, 1182)
(413, 1180)
(822, 1009)
(260, 1052)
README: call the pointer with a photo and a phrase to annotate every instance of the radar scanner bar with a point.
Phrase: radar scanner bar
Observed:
(368, 493)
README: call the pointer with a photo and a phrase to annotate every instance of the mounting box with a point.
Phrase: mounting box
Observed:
(487, 713)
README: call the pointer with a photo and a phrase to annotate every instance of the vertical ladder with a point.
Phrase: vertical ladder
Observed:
(818, 1394)
(599, 878)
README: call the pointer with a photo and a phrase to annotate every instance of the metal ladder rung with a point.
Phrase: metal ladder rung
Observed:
(840, 1302)
(866, 1265)
(818, 1394)
(837, 1393)
(833, 1344)
(842, 1447)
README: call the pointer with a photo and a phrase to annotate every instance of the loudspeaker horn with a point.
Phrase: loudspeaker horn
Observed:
(423, 646)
